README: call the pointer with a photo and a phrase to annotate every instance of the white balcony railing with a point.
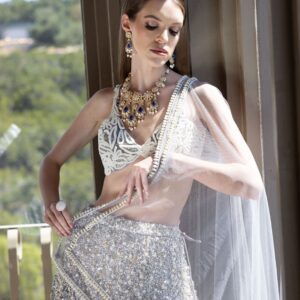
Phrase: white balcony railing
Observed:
(14, 242)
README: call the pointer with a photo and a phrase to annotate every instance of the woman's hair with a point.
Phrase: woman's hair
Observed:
(131, 8)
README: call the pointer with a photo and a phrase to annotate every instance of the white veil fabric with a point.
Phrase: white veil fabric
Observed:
(227, 207)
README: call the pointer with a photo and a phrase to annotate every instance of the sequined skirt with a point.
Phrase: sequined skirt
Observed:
(120, 258)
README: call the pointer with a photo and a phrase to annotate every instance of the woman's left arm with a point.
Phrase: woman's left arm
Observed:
(230, 178)
(237, 173)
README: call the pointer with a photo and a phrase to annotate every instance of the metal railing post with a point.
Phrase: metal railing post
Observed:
(46, 246)
(14, 256)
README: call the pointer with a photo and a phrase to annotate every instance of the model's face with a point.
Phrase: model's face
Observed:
(156, 28)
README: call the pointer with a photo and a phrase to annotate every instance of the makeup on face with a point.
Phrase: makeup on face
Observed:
(159, 51)
(152, 23)
(156, 29)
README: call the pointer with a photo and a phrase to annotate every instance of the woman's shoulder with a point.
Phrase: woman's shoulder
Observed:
(101, 101)
(103, 95)
(204, 88)
(209, 94)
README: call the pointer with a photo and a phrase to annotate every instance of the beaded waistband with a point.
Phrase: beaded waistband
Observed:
(141, 227)
(126, 224)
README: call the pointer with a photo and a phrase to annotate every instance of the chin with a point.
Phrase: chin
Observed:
(157, 63)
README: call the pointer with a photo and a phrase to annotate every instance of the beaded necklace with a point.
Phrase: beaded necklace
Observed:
(133, 106)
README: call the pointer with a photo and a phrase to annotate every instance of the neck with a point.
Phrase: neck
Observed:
(143, 77)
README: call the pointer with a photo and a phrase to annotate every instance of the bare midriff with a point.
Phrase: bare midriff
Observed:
(164, 204)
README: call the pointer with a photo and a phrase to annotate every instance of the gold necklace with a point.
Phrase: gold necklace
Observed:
(134, 105)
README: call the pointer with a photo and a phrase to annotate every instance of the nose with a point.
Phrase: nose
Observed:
(162, 38)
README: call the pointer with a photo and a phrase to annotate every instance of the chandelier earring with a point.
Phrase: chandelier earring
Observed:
(129, 47)
(172, 61)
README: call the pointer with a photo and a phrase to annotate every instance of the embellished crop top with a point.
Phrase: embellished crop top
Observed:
(117, 148)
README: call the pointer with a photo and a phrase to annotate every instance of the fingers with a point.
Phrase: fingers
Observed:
(138, 186)
(60, 218)
(55, 224)
(130, 187)
(123, 191)
(60, 221)
(137, 180)
(68, 218)
(144, 180)
(141, 184)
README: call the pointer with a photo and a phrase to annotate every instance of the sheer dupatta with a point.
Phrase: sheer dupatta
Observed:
(227, 206)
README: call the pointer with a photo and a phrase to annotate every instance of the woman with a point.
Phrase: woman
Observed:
(171, 151)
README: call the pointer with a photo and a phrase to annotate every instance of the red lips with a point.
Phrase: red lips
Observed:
(159, 51)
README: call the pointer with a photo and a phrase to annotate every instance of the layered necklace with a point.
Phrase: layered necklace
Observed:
(133, 106)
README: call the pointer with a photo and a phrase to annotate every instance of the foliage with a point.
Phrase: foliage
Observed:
(50, 83)
(42, 96)
(16, 10)
(53, 26)
(8, 219)
(41, 91)
(55, 22)
(23, 11)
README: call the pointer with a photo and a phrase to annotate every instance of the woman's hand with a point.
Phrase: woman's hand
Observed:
(137, 180)
(60, 221)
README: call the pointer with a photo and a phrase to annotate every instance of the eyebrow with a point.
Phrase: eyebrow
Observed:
(158, 19)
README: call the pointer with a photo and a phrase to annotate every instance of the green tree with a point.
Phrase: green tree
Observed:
(42, 96)
(16, 11)
(41, 93)
(57, 23)
(7, 218)
(37, 81)
(24, 11)
(46, 25)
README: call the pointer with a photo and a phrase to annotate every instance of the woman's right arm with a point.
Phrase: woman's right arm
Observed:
(83, 129)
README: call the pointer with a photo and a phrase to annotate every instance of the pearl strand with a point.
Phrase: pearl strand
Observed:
(166, 146)
(162, 140)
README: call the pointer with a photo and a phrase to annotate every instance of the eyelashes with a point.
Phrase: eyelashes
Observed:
(152, 28)
(149, 27)
(173, 32)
